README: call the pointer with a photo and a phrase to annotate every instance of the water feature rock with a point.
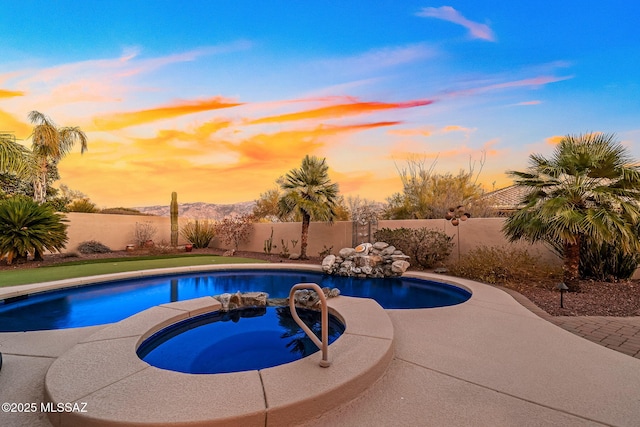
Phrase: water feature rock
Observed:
(380, 245)
(399, 267)
(389, 250)
(328, 262)
(363, 249)
(294, 256)
(367, 260)
(346, 252)
(224, 300)
(254, 299)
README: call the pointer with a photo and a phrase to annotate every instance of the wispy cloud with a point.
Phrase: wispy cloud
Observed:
(123, 120)
(447, 13)
(10, 93)
(340, 110)
(376, 59)
(531, 82)
(534, 102)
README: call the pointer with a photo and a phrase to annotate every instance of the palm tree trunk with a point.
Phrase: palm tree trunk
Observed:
(571, 272)
(304, 237)
(40, 184)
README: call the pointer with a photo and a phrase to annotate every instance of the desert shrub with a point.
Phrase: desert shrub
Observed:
(427, 248)
(199, 232)
(122, 211)
(505, 266)
(27, 227)
(82, 205)
(234, 230)
(143, 232)
(325, 251)
(606, 262)
(93, 247)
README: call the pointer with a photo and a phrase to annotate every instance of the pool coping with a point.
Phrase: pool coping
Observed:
(104, 372)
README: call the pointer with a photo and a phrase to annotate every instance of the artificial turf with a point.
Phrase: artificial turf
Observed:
(72, 269)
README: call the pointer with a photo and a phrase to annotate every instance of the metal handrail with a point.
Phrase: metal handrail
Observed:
(324, 344)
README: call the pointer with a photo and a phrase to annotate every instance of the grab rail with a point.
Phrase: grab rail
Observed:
(324, 344)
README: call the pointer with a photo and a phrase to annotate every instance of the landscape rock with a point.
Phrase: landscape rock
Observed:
(367, 260)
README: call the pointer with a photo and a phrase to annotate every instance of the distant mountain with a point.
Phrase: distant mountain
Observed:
(201, 210)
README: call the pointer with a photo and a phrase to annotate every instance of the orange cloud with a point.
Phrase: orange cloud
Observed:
(291, 145)
(410, 132)
(554, 140)
(123, 120)
(341, 110)
(455, 128)
(535, 102)
(10, 93)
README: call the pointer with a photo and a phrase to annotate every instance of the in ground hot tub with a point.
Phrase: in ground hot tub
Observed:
(239, 340)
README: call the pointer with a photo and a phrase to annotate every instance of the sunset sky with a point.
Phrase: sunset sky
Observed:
(217, 99)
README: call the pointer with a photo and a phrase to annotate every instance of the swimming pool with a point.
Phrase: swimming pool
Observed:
(235, 341)
(113, 301)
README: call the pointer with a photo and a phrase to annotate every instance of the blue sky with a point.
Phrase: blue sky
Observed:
(215, 99)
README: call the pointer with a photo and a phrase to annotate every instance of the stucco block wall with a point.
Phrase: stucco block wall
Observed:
(117, 231)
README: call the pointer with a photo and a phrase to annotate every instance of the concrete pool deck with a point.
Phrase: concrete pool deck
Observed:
(488, 361)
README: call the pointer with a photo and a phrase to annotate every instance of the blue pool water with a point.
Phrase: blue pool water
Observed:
(111, 302)
(240, 340)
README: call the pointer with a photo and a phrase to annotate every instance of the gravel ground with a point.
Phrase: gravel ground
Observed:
(620, 299)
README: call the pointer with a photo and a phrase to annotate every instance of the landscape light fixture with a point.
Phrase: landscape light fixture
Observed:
(562, 288)
(455, 215)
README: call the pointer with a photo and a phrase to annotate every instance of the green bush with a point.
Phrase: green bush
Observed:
(199, 232)
(93, 247)
(606, 262)
(426, 247)
(27, 227)
(504, 266)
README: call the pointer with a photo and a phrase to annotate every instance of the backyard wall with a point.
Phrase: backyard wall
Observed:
(117, 231)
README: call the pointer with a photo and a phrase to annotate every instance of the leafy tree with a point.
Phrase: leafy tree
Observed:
(49, 146)
(27, 227)
(363, 210)
(588, 189)
(309, 192)
(266, 208)
(235, 229)
(426, 194)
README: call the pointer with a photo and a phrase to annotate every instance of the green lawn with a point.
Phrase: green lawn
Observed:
(73, 269)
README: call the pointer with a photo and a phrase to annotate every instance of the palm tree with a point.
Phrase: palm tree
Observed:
(309, 192)
(588, 189)
(49, 146)
(14, 158)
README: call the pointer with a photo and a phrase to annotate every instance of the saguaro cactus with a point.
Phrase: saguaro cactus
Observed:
(174, 219)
